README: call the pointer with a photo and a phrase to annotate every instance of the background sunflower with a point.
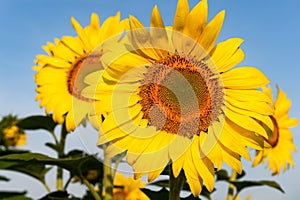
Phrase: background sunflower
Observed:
(60, 74)
(279, 156)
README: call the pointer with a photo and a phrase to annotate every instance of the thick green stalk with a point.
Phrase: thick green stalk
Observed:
(230, 194)
(108, 177)
(176, 184)
(61, 149)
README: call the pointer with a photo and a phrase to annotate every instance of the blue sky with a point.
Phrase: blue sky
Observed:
(270, 30)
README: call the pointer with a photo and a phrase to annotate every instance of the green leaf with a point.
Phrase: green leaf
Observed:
(37, 122)
(240, 185)
(16, 162)
(119, 157)
(161, 194)
(3, 178)
(88, 195)
(166, 171)
(13, 195)
(186, 187)
(191, 197)
(75, 165)
(34, 170)
(164, 194)
(239, 176)
(52, 146)
(20, 197)
(222, 175)
(59, 195)
(161, 183)
(12, 151)
(206, 193)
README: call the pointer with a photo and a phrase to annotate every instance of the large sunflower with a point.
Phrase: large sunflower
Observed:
(281, 139)
(60, 74)
(175, 96)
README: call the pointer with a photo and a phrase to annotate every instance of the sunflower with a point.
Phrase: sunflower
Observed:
(128, 188)
(281, 138)
(59, 76)
(13, 136)
(10, 133)
(173, 96)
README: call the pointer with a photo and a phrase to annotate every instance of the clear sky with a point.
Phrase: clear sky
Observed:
(270, 30)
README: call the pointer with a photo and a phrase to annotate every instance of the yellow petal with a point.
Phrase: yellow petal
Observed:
(248, 95)
(156, 20)
(118, 66)
(54, 61)
(121, 119)
(112, 28)
(159, 37)
(211, 31)
(140, 39)
(196, 20)
(178, 146)
(82, 34)
(227, 54)
(232, 159)
(93, 30)
(229, 139)
(288, 123)
(215, 154)
(203, 166)
(262, 108)
(177, 165)
(244, 78)
(246, 122)
(150, 158)
(258, 158)
(250, 139)
(153, 175)
(182, 12)
(192, 176)
(74, 44)
(263, 118)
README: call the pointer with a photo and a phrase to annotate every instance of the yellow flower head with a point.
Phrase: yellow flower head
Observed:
(128, 188)
(173, 95)
(10, 134)
(60, 74)
(281, 138)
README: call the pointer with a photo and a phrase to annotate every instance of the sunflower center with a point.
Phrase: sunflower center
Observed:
(180, 96)
(274, 136)
(79, 69)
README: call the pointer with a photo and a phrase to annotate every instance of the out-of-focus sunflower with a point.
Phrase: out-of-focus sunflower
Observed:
(281, 139)
(174, 95)
(128, 188)
(60, 74)
(10, 133)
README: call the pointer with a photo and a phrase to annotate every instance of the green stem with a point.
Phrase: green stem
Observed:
(54, 137)
(47, 187)
(59, 175)
(117, 162)
(231, 186)
(68, 183)
(91, 189)
(107, 178)
(176, 184)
